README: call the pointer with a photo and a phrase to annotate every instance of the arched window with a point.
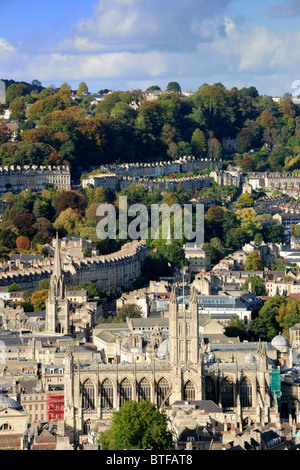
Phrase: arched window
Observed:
(246, 393)
(144, 390)
(189, 391)
(210, 389)
(5, 427)
(88, 395)
(125, 391)
(107, 394)
(162, 391)
(227, 393)
(87, 427)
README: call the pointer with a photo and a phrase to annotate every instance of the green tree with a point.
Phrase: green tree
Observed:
(253, 262)
(129, 310)
(15, 91)
(69, 222)
(174, 86)
(265, 325)
(235, 327)
(258, 286)
(44, 284)
(38, 299)
(245, 200)
(249, 222)
(82, 88)
(17, 110)
(198, 143)
(138, 426)
(14, 287)
(288, 315)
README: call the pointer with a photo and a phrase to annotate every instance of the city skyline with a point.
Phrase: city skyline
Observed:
(133, 44)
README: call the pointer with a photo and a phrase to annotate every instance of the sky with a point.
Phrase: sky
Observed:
(133, 44)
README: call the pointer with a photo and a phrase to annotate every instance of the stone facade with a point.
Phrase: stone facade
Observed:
(111, 272)
(289, 184)
(160, 169)
(152, 175)
(17, 178)
(185, 371)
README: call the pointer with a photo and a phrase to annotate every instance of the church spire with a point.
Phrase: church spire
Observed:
(57, 259)
(57, 288)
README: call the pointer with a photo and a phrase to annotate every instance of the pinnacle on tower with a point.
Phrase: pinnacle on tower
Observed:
(193, 297)
(173, 297)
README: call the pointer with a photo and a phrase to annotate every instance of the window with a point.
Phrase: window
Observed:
(88, 395)
(227, 393)
(107, 394)
(125, 391)
(246, 393)
(144, 390)
(189, 391)
(210, 390)
(5, 427)
(162, 391)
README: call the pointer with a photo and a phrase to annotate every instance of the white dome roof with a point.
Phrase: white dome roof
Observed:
(280, 340)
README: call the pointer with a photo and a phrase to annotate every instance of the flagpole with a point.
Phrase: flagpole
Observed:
(182, 272)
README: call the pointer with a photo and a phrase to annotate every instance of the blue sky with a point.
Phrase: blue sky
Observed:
(129, 44)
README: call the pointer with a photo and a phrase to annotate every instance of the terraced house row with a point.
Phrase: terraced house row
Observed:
(16, 178)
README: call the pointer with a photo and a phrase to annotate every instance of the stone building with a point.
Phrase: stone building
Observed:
(13, 425)
(17, 178)
(197, 258)
(111, 272)
(178, 368)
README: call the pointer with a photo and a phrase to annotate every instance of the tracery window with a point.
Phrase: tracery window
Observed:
(88, 395)
(246, 393)
(144, 390)
(107, 394)
(189, 391)
(210, 389)
(227, 398)
(162, 391)
(125, 391)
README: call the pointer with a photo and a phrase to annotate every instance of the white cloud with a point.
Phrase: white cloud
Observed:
(5, 46)
(140, 42)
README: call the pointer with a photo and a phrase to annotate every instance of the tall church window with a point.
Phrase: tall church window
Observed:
(246, 393)
(210, 389)
(189, 391)
(107, 394)
(227, 399)
(144, 390)
(125, 391)
(88, 395)
(162, 391)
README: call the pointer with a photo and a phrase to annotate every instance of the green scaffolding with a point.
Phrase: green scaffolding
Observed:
(275, 385)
